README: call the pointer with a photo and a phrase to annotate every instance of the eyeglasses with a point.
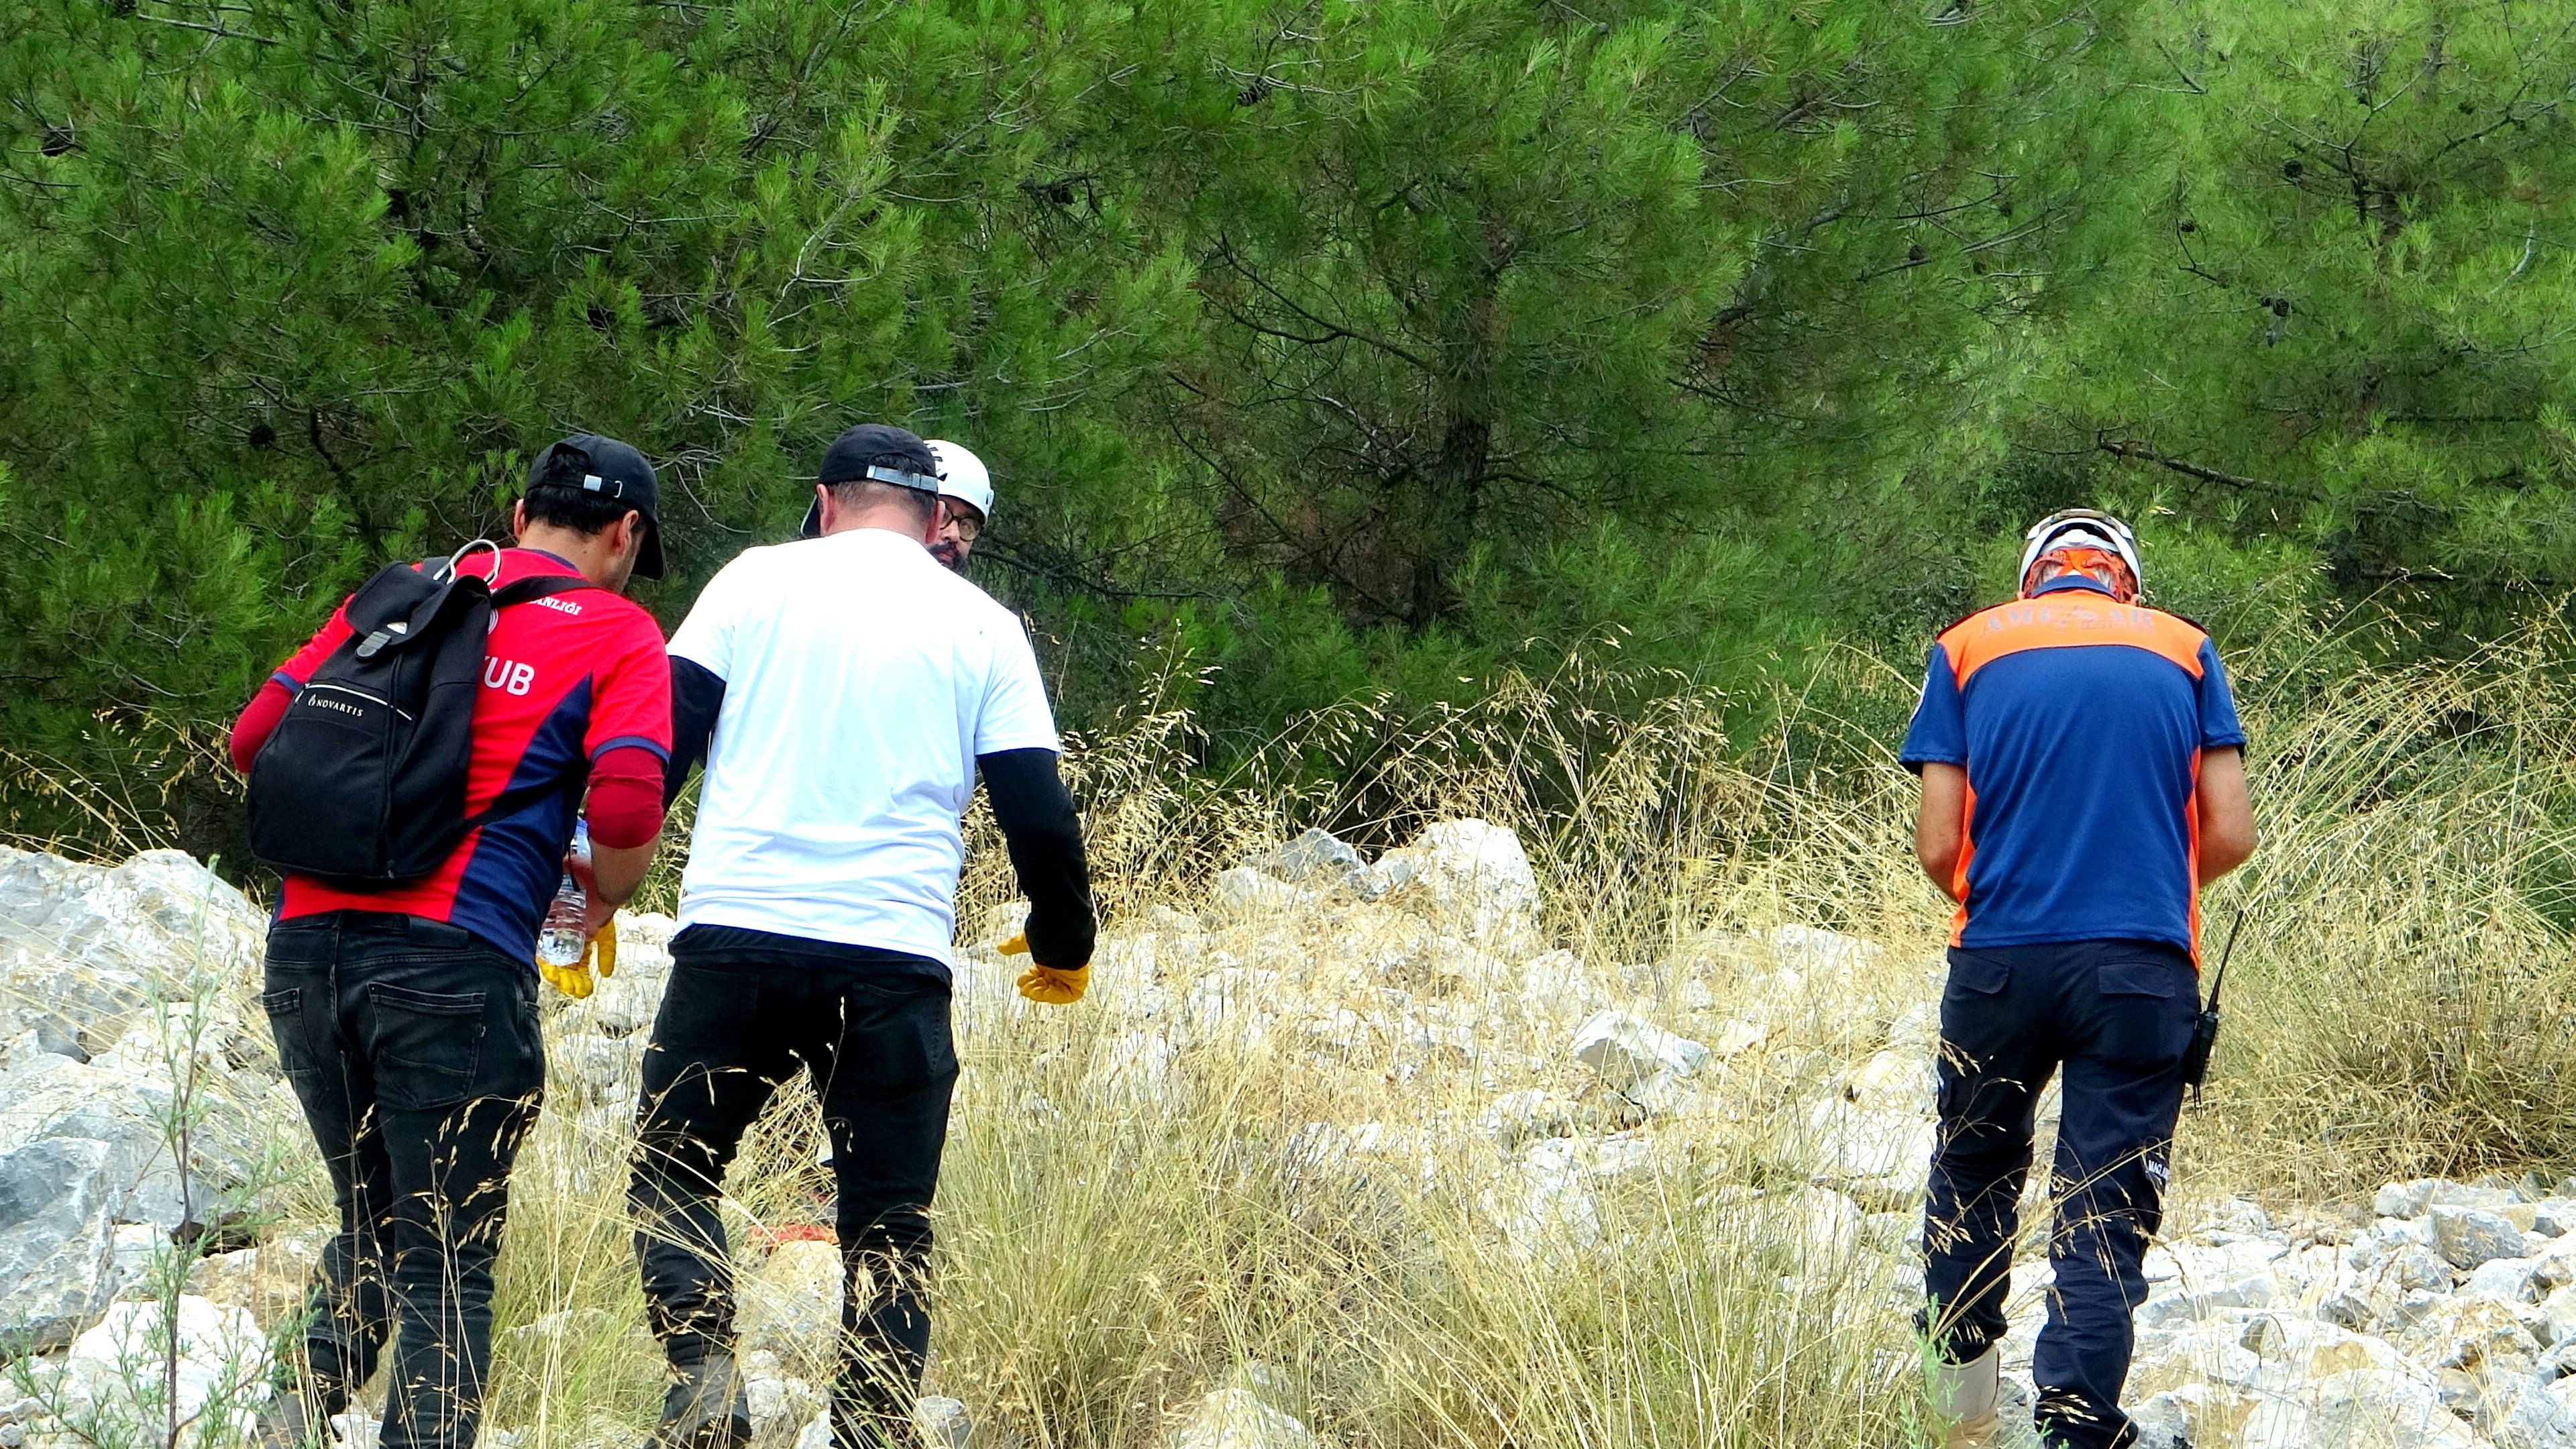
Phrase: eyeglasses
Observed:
(968, 523)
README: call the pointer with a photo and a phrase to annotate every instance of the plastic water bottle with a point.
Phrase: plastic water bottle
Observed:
(560, 942)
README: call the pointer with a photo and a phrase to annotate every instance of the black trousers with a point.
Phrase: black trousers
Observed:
(413, 1048)
(877, 1045)
(2116, 1016)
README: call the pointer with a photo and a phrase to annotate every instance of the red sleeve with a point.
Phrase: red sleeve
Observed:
(268, 706)
(625, 807)
(629, 741)
(251, 731)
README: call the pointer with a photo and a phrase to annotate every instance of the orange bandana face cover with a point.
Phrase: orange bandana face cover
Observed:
(2100, 565)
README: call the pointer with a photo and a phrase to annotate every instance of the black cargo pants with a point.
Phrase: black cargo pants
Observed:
(2116, 1016)
(413, 1047)
(876, 1043)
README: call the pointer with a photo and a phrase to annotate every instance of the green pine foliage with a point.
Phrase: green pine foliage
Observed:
(1322, 351)
(2344, 311)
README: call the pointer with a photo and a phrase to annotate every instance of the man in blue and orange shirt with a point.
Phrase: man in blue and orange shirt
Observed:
(406, 1019)
(2083, 777)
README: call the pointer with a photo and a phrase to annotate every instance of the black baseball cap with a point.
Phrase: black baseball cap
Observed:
(593, 464)
(873, 452)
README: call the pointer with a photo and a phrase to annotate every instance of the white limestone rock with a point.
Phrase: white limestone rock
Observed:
(1239, 1004)
(2470, 1330)
(791, 1307)
(84, 947)
(1627, 1050)
(941, 1422)
(2515, 1280)
(2469, 1236)
(2404, 1199)
(1138, 1067)
(1320, 860)
(1237, 1418)
(597, 1068)
(781, 1404)
(1736, 1037)
(1472, 872)
(2544, 1417)
(2373, 1409)
(2162, 1422)
(57, 1240)
(1515, 1119)
(1555, 986)
(119, 1374)
(2553, 1320)
(1245, 891)
(1882, 1153)
(1812, 950)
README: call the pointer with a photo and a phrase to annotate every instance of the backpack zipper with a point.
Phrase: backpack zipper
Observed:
(360, 694)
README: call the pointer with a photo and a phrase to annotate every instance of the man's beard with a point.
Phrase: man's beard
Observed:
(949, 557)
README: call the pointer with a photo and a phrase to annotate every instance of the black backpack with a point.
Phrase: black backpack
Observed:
(362, 783)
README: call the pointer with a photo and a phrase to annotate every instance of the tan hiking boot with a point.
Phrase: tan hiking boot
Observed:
(1963, 1398)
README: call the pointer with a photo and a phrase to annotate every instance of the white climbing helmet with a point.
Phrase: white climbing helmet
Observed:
(962, 476)
(2079, 528)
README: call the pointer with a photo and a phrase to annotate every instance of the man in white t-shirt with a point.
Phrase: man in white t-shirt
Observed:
(844, 690)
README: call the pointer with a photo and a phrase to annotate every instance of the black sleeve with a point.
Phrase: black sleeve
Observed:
(1035, 812)
(696, 695)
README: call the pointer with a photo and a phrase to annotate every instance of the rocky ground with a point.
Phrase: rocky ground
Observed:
(146, 1142)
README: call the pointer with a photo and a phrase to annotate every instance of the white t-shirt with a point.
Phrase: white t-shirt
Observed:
(861, 681)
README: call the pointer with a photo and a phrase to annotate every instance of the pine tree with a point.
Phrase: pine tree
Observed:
(2344, 321)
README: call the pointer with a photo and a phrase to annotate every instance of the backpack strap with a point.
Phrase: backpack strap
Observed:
(542, 586)
(399, 604)
(509, 801)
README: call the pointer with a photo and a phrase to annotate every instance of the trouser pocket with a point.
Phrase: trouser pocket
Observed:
(2147, 1007)
(285, 1008)
(425, 1045)
(894, 1042)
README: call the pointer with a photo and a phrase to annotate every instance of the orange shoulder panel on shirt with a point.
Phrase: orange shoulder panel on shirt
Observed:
(2063, 620)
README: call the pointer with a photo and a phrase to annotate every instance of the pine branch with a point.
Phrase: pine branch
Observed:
(2132, 448)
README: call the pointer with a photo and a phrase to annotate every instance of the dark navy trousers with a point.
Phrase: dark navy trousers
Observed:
(2116, 1018)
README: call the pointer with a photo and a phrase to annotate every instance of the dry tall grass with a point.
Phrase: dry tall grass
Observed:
(1122, 1227)
(2404, 1008)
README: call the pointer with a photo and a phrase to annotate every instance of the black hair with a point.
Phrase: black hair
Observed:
(556, 496)
(581, 511)
(863, 493)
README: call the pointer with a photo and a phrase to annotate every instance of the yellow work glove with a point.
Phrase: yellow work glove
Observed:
(1045, 984)
(575, 980)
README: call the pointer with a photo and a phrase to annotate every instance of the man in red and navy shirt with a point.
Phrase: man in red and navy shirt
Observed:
(2083, 777)
(406, 1019)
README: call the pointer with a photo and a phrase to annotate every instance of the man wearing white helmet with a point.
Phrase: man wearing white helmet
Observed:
(2083, 777)
(967, 488)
